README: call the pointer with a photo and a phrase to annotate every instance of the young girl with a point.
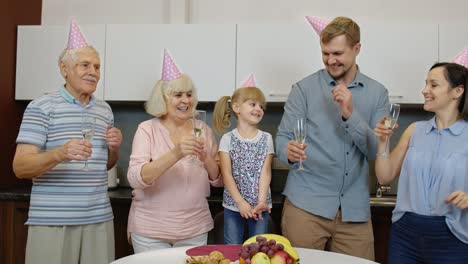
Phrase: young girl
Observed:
(246, 154)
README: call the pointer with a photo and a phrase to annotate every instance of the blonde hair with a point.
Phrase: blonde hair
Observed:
(156, 104)
(223, 107)
(341, 26)
(70, 56)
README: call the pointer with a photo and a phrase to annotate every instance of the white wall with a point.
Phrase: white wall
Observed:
(57, 12)
(280, 11)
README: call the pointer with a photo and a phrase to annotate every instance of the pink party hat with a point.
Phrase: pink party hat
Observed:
(462, 58)
(169, 71)
(250, 82)
(76, 40)
(317, 23)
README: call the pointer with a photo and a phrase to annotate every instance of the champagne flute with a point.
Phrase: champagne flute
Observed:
(300, 132)
(198, 122)
(88, 126)
(390, 122)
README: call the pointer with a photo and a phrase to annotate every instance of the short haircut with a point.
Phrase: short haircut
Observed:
(70, 56)
(342, 26)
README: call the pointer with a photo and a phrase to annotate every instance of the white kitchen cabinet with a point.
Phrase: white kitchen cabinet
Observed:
(452, 40)
(399, 56)
(38, 49)
(278, 54)
(134, 58)
(220, 57)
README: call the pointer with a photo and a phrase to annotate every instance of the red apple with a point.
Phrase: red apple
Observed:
(281, 257)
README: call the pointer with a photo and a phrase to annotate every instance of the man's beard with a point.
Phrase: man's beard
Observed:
(341, 75)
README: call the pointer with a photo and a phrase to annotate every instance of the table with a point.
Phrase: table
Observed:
(177, 256)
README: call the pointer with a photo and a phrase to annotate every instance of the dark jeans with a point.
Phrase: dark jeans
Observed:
(424, 239)
(234, 226)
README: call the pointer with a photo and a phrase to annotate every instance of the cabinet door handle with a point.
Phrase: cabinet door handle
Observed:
(396, 96)
(278, 94)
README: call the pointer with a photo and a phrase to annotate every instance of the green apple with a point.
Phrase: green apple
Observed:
(260, 258)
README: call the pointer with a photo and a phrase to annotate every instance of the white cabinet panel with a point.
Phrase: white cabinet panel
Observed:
(134, 56)
(452, 40)
(38, 49)
(279, 56)
(399, 56)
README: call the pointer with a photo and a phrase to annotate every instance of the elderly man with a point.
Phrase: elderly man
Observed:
(327, 203)
(70, 217)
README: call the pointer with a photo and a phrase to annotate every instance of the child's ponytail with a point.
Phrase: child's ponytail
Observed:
(222, 115)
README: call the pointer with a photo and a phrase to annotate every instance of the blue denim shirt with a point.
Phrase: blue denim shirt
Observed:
(435, 165)
(336, 168)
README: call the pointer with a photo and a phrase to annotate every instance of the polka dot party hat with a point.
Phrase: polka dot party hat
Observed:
(462, 58)
(76, 40)
(317, 23)
(169, 70)
(250, 82)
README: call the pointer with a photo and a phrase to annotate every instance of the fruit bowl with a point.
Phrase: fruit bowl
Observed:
(268, 249)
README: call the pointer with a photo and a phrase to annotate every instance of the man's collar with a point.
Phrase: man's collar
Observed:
(69, 98)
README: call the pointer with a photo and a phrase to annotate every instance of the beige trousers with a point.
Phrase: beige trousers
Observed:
(307, 230)
(82, 244)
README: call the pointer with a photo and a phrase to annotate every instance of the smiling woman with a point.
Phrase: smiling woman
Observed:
(431, 162)
(169, 206)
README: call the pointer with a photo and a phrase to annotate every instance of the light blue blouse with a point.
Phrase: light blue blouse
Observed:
(436, 164)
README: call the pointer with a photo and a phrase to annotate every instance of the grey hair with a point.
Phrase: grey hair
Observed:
(156, 104)
(70, 56)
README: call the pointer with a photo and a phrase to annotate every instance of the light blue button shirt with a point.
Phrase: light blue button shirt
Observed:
(337, 151)
(435, 165)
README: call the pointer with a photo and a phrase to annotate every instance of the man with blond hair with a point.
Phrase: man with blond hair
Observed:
(327, 203)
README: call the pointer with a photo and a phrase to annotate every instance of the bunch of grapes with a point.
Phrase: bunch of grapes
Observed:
(268, 247)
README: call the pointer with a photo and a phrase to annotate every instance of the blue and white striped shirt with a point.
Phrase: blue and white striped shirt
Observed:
(67, 194)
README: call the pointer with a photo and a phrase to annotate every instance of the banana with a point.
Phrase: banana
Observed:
(292, 252)
(277, 238)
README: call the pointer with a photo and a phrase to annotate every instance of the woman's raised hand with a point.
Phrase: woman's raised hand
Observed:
(190, 145)
(382, 131)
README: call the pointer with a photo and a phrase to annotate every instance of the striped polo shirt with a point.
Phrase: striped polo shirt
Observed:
(67, 194)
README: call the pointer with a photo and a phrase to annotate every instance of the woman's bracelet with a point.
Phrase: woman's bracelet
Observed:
(383, 155)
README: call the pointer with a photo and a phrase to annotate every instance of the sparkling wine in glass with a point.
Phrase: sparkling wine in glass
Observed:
(88, 126)
(300, 133)
(198, 121)
(390, 122)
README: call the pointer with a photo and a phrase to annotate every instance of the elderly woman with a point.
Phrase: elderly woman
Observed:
(430, 220)
(169, 207)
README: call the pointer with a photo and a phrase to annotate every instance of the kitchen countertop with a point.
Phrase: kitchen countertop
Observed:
(124, 194)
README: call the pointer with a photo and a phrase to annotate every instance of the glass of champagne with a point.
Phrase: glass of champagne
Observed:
(390, 122)
(300, 133)
(198, 122)
(88, 126)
